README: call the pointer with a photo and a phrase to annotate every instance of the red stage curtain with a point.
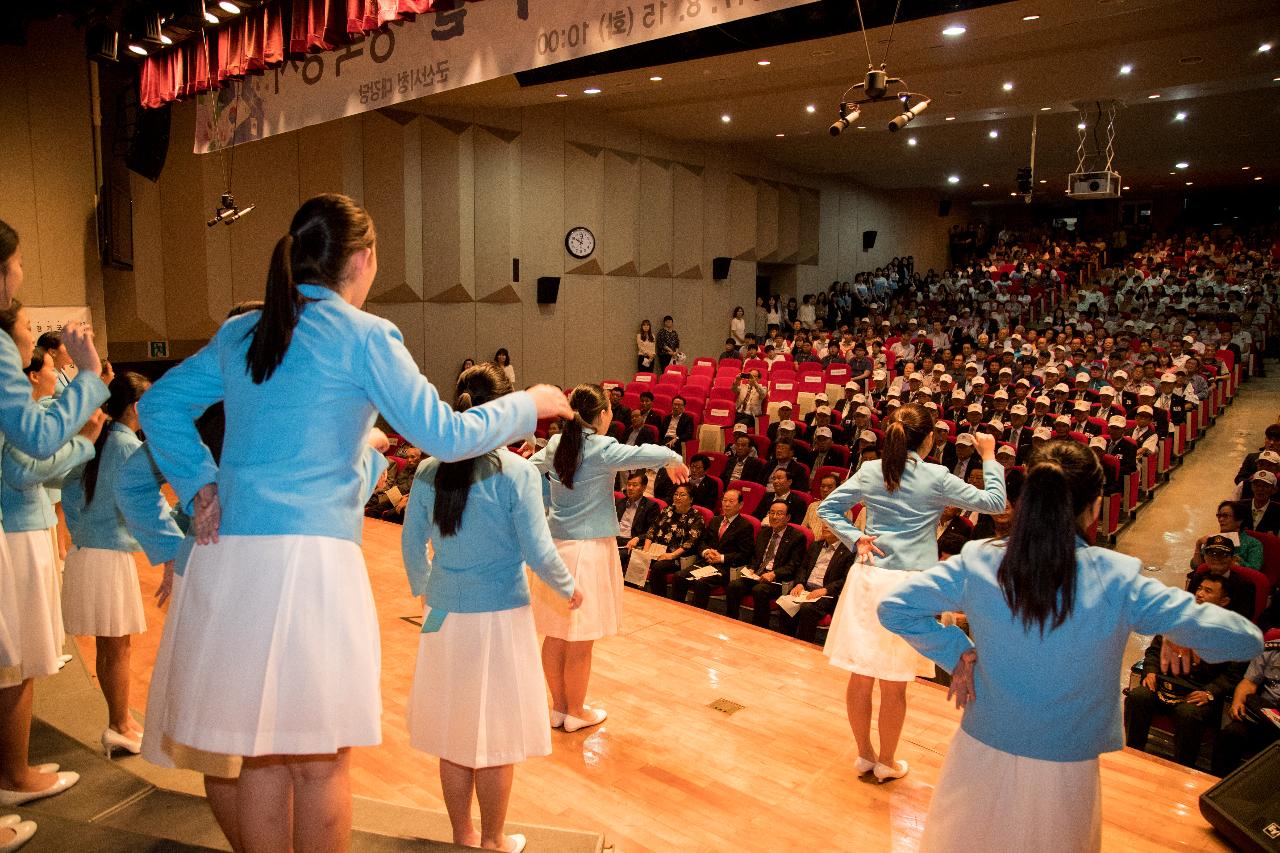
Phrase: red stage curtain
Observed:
(256, 41)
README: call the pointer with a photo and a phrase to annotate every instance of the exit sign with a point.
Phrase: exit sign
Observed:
(159, 349)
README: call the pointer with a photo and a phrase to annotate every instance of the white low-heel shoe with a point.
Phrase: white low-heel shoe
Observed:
(863, 766)
(22, 832)
(595, 716)
(113, 740)
(520, 842)
(557, 719)
(885, 773)
(65, 780)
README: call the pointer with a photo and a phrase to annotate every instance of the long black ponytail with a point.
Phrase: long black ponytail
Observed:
(1038, 572)
(325, 232)
(126, 389)
(907, 429)
(587, 402)
(476, 386)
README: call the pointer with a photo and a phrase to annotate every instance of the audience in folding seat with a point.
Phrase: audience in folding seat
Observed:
(779, 551)
(820, 578)
(726, 543)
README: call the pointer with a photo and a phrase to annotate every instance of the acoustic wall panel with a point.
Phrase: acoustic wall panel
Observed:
(496, 176)
(788, 247)
(444, 182)
(690, 256)
(766, 242)
(584, 187)
(384, 179)
(743, 226)
(656, 215)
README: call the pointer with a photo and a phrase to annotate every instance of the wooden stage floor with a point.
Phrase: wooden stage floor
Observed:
(666, 772)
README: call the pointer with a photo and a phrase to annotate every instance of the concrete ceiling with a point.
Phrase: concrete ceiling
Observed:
(1202, 60)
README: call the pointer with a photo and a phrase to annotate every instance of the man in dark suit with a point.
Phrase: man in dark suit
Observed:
(1271, 441)
(742, 465)
(726, 542)
(778, 554)
(702, 486)
(651, 417)
(1018, 433)
(621, 414)
(784, 416)
(784, 459)
(1121, 446)
(636, 514)
(1264, 512)
(962, 458)
(638, 432)
(780, 479)
(822, 453)
(821, 576)
(677, 427)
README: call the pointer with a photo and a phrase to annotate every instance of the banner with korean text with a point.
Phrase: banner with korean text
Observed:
(474, 42)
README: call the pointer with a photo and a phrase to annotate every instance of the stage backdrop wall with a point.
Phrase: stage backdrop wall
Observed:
(457, 194)
(47, 184)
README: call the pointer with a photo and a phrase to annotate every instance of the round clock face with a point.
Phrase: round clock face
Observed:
(580, 242)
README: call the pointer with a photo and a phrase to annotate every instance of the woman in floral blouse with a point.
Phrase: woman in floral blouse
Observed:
(677, 530)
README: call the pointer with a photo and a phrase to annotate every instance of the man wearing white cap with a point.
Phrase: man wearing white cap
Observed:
(1017, 433)
(1269, 461)
(1159, 417)
(973, 418)
(784, 416)
(1062, 403)
(1041, 414)
(743, 463)
(963, 456)
(1170, 400)
(1265, 511)
(844, 407)
(1270, 441)
(1120, 445)
(1144, 432)
(823, 452)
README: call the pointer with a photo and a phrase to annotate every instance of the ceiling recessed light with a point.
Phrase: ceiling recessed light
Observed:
(164, 39)
(994, 134)
(862, 127)
(1008, 87)
(1180, 117)
(138, 49)
(1043, 181)
(726, 118)
(1080, 126)
(1265, 47)
(655, 79)
(1257, 177)
(592, 91)
(1125, 69)
(1181, 164)
(950, 118)
(1030, 17)
(1245, 168)
(562, 94)
(986, 185)
(209, 17)
(954, 30)
(1189, 183)
(1012, 193)
(1152, 97)
(1045, 109)
(762, 62)
(1173, 173)
(811, 109)
(1124, 188)
(953, 179)
(911, 140)
(779, 135)
(229, 7)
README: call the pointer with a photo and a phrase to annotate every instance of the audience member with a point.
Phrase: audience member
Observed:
(820, 579)
(676, 532)
(778, 553)
(1233, 518)
(636, 514)
(1250, 730)
(1220, 563)
(726, 543)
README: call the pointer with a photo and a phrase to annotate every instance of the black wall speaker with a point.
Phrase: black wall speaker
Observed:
(868, 240)
(720, 268)
(1245, 806)
(944, 207)
(515, 269)
(149, 143)
(548, 289)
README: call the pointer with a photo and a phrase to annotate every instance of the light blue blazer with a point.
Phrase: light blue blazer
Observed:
(905, 522)
(24, 482)
(99, 524)
(291, 456)
(35, 428)
(586, 511)
(1054, 696)
(480, 569)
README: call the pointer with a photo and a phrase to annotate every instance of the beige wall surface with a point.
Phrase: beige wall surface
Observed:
(456, 195)
(47, 183)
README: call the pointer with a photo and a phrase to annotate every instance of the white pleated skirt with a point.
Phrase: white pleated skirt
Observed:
(100, 594)
(597, 571)
(271, 648)
(997, 802)
(478, 697)
(10, 615)
(31, 607)
(857, 642)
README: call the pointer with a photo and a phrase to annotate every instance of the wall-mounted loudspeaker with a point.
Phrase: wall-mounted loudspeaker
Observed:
(548, 289)
(868, 240)
(149, 142)
(720, 268)
(944, 207)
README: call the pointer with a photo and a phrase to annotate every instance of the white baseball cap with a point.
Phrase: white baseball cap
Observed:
(1017, 409)
(1062, 388)
(1146, 410)
(822, 432)
(1042, 432)
(819, 396)
(974, 407)
(1117, 420)
(1121, 374)
(1269, 456)
(946, 377)
(1098, 441)
(929, 404)
(851, 384)
(862, 410)
(1006, 450)
(916, 377)
(868, 436)
(822, 410)
(965, 438)
(1062, 419)
(1081, 406)
(739, 429)
(1082, 377)
(1106, 391)
(1042, 400)
(879, 374)
(1146, 391)
(1168, 377)
(1001, 395)
(1265, 477)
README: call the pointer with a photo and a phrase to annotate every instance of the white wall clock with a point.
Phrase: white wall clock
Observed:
(580, 242)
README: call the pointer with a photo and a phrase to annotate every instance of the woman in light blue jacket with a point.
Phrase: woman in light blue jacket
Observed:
(904, 497)
(478, 702)
(582, 461)
(101, 596)
(38, 431)
(1050, 617)
(277, 634)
